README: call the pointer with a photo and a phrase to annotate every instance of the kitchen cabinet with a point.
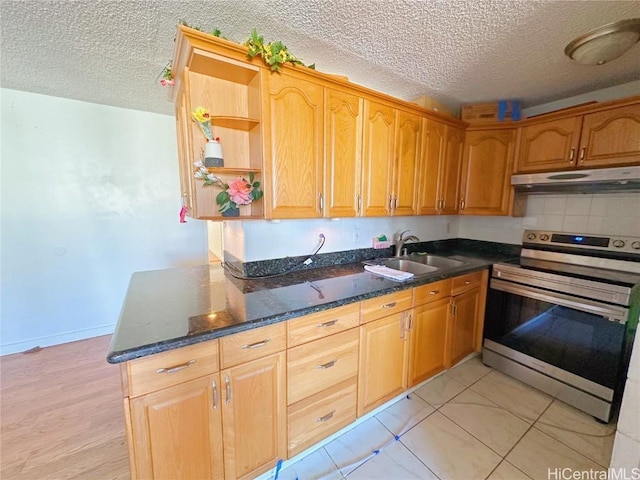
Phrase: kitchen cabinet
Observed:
(467, 314)
(173, 398)
(293, 143)
(379, 149)
(407, 161)
(487, 166)
(231, 92)
(429, 331)
(254, 416)
(322, 372)
(177, 431)
(610, 137)
(440, 169)
(343, 154)
(384, 353)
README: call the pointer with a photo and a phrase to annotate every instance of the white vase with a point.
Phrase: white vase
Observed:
(213, 154)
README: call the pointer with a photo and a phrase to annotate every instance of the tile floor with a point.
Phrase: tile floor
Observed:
(470, 423)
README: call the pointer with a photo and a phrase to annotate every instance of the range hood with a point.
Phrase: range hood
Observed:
(620, 179)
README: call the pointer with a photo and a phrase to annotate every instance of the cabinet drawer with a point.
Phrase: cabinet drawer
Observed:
(318, 325)
(314, 366)
(155, 372)
(246, 346)
(431, 292)
(385, 305)
(319, 416)
(466, 282)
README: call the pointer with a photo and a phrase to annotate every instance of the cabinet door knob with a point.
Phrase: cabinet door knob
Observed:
(321, 202)
(214, 385)
(582, 150)
(462, 204)
(572, 154)
(359, 203)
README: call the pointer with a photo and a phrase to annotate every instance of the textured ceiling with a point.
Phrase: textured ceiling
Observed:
(456, 51)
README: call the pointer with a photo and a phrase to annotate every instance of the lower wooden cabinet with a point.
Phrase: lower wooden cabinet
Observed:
(177, 432)
(254, 416)
(384, 352)
(467, 319)
(429, 353)
(264, 406)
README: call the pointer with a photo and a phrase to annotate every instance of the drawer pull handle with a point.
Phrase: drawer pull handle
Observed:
(326, 417)
(177, 368)
(434, 292)
(256, 345)
(389, 305)
(330, 323)
(467, 282)
(330, 364)
(214, 385)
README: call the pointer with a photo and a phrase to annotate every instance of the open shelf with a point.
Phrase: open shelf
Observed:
(237, 123)
(233, 170)
(223, 68)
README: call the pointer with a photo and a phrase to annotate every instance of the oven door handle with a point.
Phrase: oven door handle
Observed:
(613, 313)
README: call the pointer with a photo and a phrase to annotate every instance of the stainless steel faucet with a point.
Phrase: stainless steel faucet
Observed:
(401, 240)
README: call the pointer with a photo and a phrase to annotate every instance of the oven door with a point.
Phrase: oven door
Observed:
(575, 340)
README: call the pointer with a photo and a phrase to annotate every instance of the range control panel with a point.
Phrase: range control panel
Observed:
(581, 240)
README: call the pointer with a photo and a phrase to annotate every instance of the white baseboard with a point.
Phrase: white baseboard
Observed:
(47, 341)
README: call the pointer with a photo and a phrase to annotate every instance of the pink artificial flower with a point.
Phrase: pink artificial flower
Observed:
(167, 83)
(240, 191)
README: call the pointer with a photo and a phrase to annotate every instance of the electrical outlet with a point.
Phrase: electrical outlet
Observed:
(356, 236)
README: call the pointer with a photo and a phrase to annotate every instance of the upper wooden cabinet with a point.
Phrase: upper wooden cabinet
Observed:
(379, 148)
(407, 161)
(604, 138)
(343, 115)
(611, 137)
(487, 166)
(549, 146)
(439, 172)
(293, 145)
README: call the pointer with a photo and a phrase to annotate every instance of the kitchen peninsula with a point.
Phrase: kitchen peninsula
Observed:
(256, 371)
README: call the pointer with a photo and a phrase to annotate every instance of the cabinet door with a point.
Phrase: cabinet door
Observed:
(409, 127)
(177, 431)
(343, 154)
(549, 146)
(429, 339)
(450, 183)
(611, 137)
(293, 148)
(383, 361)
(379, 148)
(254, 416)
(486, 172)
(431, 162)
(185, 159)
(466, 308)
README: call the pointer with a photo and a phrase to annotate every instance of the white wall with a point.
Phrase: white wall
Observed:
(260, 240)
(90, 194)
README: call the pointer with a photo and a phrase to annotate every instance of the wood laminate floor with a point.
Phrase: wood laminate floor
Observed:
(61, 414)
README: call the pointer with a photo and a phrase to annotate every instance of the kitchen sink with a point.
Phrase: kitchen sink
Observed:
(409, 266)
(434, 261)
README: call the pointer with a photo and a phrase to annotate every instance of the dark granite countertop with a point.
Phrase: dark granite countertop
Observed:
(173, 308)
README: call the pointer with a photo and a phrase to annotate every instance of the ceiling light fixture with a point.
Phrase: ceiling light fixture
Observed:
(605, 43)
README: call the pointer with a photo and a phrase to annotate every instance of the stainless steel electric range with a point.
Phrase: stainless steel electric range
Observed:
(563, 316)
